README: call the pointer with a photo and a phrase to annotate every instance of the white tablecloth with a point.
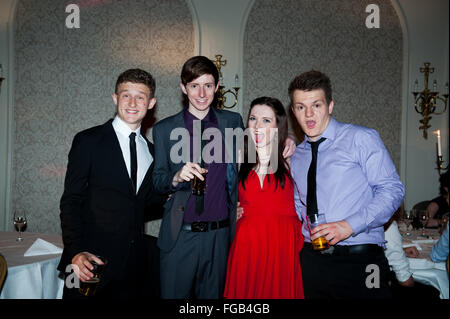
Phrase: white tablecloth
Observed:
(33, 277)
(423, 268)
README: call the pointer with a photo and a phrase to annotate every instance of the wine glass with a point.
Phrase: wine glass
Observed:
(20, 222)
(423, 216)
(408, 220)
(409, 214)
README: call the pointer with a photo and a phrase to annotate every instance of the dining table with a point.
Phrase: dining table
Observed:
(423, 269)
(32, 264)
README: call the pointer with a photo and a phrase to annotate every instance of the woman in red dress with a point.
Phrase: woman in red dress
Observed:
(263, 262)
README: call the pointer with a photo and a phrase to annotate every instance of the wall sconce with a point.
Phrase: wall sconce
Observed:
(1, 78)
(425, 102)
(439, 160)
(221, 92)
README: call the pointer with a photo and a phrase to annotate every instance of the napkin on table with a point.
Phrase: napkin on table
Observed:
(42, 247)
(423, 263)
(424, 241)
(413, 245)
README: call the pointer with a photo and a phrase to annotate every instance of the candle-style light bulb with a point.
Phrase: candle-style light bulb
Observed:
(416, 85)
(446, 88)
(1, 70)
(438, 134)
(434, 86)
(236, 80)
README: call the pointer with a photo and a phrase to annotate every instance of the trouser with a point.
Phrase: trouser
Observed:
(196, 266)
(342, 275)
(419, 291)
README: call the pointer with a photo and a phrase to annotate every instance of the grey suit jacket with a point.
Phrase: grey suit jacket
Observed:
(165, 169)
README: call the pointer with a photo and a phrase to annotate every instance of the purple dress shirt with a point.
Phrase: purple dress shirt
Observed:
(216, 198)
(356, 181)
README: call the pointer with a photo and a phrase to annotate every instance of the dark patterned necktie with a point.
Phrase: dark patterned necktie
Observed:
(200, 199)
(311, 195)
(133, 160)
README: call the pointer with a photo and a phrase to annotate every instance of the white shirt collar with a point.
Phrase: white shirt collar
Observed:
(122, 127)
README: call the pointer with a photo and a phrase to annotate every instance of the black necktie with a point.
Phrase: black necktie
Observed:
(311, 196)
(200, 199)
(133, 160)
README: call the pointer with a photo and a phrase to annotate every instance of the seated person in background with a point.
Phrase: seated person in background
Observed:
(439, 253)
(402, 282)
(439, 206)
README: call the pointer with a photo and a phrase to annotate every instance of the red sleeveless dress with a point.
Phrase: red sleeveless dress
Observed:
(263, 262)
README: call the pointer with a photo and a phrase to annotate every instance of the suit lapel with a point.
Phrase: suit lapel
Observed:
(222, 122)
(178, 122)
(116, 157)
(150, 168)
(232, 168)
(230, 147)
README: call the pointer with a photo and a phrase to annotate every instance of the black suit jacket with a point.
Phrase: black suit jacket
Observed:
(165, 170)
(100, 212)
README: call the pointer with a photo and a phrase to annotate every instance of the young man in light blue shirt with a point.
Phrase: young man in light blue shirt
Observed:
(358, 190)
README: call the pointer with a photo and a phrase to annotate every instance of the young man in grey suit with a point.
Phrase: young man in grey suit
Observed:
(194, 241)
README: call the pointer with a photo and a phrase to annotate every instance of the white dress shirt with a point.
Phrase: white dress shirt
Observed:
(144, 158)
(395, 254)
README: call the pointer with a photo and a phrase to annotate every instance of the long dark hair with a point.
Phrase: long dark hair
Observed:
(282, 124)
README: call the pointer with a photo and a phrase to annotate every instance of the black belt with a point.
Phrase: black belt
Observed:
(205, 226)
(341, 250)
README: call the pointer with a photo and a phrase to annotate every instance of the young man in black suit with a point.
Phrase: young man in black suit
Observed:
(107, 188)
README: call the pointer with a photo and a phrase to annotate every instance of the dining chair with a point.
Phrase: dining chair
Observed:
(3, 270)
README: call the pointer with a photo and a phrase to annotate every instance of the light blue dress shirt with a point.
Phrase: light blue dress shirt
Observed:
(439, 252)
(356, 181)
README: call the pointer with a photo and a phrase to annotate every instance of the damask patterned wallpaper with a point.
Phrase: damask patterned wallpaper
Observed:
(65, 78)
(286, 38)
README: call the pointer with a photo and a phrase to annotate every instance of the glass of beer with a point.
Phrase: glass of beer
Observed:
(198, 185)
(319, 243)
(89, 287)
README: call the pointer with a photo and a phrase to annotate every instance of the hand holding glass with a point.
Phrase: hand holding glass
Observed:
(89, 287)
(319, 243)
